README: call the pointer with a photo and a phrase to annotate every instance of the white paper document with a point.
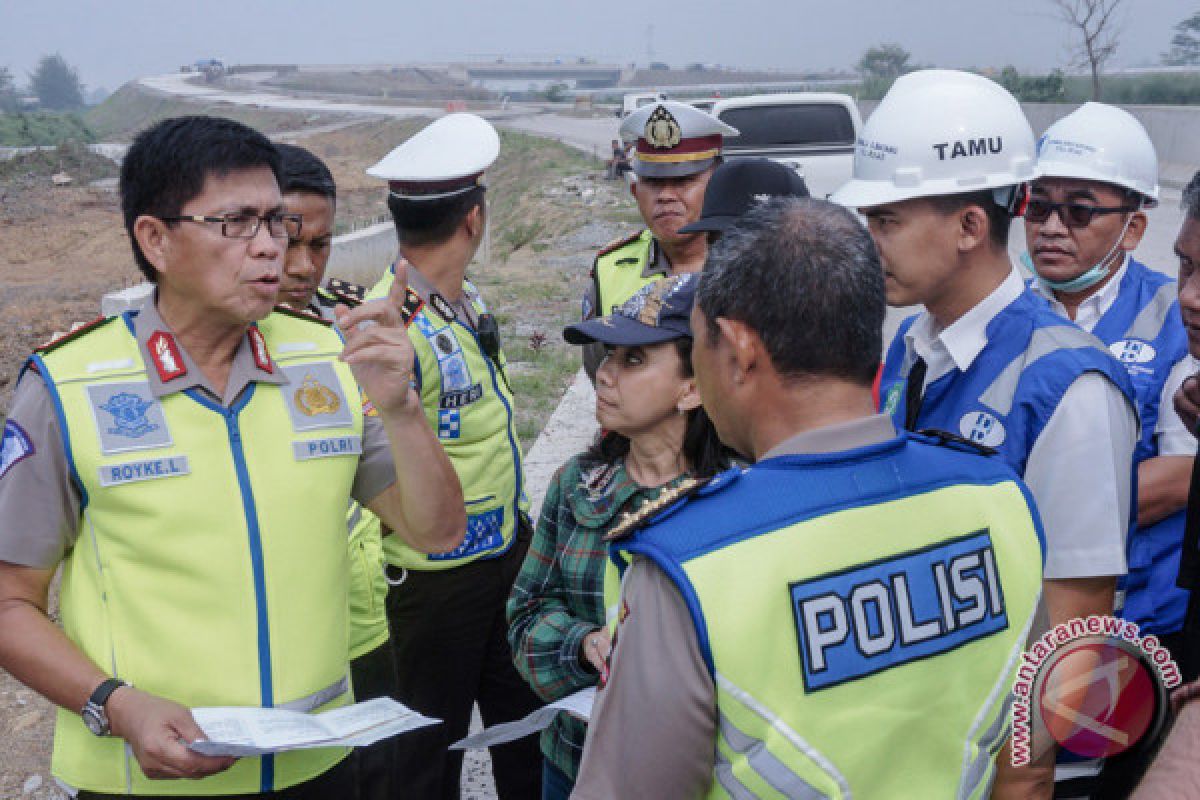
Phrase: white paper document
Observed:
(578, 705)
(258, 731)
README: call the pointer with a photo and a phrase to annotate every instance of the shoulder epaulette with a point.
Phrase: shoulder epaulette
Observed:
(412, 306)
(306, 314)
(633, 520)
(956, 442)
(73, 334)
(349, 293)
(619, 243)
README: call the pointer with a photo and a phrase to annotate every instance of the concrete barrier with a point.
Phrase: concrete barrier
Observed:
(362, 256)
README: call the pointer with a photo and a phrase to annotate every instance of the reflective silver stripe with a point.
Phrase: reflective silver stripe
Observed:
(356, 514)
(778, 775)
(785, 730)
(318, 699)
(1044, 341)
(729, 782)
(992, 739)
(1149, 321)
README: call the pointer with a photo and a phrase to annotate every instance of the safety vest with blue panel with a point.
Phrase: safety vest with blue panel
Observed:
(467, 401)
(1144, 331)
(1009, 393)
(856, 610)
(211, 565)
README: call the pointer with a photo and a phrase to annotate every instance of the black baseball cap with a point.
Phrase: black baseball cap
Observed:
(734, 187)
(658, 312)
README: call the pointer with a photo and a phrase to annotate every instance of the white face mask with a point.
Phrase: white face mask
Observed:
(1089, 277)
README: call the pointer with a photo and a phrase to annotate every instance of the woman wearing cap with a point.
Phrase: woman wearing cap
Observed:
(655, 436)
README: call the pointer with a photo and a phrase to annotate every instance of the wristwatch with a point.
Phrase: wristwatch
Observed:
(93, 712)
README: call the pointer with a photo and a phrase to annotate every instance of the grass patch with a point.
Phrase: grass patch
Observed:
(72, 158)
(43, 128)
(538, 385)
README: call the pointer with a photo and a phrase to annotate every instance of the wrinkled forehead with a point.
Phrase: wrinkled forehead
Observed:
(253, 189)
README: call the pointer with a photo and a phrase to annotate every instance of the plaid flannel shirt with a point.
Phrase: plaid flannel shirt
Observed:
(558, 597)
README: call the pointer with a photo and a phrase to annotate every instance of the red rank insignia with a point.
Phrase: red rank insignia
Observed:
(258, 346)
(168, 361)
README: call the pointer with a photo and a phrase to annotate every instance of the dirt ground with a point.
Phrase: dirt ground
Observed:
(62, 248)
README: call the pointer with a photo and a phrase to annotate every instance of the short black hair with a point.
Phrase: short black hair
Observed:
(804, 274)
(168, 163)
(999, 218)
(1191, 198)
(304, 172)
(423, 222)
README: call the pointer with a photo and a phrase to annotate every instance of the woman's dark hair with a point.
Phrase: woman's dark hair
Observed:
(705, 454)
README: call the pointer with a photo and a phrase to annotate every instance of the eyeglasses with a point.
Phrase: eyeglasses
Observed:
(1073, 215)
(245, 226)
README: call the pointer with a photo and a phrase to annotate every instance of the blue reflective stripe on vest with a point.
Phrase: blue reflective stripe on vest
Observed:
(1145, 318)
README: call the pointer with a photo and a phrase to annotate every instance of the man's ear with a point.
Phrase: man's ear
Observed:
(474, 221)
(150, 233)
(744, 348)
(1135, 231)
(974, 227)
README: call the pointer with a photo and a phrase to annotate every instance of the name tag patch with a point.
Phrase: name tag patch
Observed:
(465, 397)
(127, 417)
(325, 448)
(485, 531)
(314, 398)
(147, 470)
(873, 617)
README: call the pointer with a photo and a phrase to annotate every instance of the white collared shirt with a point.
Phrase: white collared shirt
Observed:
(1080, 467)
(1171, 435)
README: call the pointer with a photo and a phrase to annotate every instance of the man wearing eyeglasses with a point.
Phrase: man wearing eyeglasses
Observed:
(189, 465)
(939, 173)
(447, 611)
(1096, 171)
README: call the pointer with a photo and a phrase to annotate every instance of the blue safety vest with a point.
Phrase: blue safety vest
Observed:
(1144, 331)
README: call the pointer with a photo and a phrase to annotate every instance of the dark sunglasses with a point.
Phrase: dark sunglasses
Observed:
(1073, 215)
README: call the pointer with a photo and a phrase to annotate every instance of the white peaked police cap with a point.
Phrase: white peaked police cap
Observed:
(445, 158)
(939, 132)
(1098, 142)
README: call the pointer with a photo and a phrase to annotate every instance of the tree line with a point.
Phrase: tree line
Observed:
(54, 82)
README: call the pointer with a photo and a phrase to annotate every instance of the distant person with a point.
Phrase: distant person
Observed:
(189, 466)
(447, 611)
(768, 642)
(309, 191)
(656, 437)
(618, 164)
(677, 148)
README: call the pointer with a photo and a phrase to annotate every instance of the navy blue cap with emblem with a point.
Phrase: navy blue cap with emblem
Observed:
(735, 186)
(658, 312)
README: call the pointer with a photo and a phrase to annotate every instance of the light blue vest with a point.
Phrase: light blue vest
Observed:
(1144, 331)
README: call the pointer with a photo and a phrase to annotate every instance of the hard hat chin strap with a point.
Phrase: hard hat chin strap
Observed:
(1089, 278)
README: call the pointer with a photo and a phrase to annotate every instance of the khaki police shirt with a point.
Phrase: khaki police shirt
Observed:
(653, 730)
(40, 504)
(594, 353)
(463, 310)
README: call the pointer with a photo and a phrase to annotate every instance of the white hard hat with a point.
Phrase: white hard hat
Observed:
(1098, 142)
(444, 158)
(939, 132)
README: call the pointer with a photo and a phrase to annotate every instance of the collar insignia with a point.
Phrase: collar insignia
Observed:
(164, 352)
(258, 346)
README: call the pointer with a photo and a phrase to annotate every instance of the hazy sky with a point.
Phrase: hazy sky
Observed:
(115, 41)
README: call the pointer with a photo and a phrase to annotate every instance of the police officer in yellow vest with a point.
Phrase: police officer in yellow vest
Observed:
(309, 190)
(678, 147)
(843, 618)
(189, 466)
(447, 610)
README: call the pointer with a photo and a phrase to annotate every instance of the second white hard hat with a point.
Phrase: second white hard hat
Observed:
(939, 132)
(1098, 142)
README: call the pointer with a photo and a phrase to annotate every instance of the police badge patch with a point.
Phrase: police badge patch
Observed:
(127, 417)
(15, 446)
(662, 129)
(314, 397)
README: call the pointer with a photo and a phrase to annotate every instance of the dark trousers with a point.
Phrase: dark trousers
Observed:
(556, 785)
(450, 637)
(374, 675)
(340, 782)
